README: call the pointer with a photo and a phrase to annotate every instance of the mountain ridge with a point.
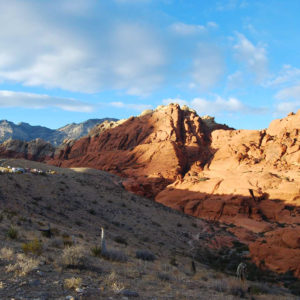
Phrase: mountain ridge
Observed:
(25, 132)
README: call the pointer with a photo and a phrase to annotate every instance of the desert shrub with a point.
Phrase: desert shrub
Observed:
(120, 240)
(72, 283)
(173, 261)
(163, 276)
(35, 247)
(114, 255)
(6, 253)
(236, 288)
(78, 223)
(96, 251)
(113, 282)
(219, 285)
(12, 233)
(145, 255)
(92, 211)
(259, 288)
(57, 243)
(67, 240)
(73, 256)
(23, 265)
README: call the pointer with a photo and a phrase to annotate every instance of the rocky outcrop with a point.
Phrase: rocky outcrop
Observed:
(37, 150)
(151, 150)
(253, 183)
(26, 132)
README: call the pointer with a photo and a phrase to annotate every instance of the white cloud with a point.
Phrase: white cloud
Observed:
(254, 57)
(44, 46)
(235, 80)
(37, 101)
(292, 92)
(138, 107)
(217, 106)
(187, 29)
(192, 29)
(208, 67)
(284, 108)
(287, 75)
(90, 46)
(203, 106)
(132, 1)
(78, 7)
(174, 100)
(212, 25)
(231, 4)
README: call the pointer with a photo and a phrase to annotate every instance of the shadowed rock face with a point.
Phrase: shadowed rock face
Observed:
(37, 149)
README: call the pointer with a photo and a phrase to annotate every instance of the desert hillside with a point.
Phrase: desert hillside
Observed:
(150, 247)
(247, 178)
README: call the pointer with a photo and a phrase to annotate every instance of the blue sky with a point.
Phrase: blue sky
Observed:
(65, 61)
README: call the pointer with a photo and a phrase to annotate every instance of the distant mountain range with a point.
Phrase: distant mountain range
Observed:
(26, 132)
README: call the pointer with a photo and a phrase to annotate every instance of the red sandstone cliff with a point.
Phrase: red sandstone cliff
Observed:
(252, 182)
(152, 150)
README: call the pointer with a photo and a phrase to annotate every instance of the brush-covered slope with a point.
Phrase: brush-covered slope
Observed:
(76, 203)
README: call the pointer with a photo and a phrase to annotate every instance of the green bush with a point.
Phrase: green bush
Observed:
(12, 233)
(96, 251)
(34, 247)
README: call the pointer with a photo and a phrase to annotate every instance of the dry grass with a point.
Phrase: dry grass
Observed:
(72, 283)
(35, 247)
(6, 253)
(145, 255)
(73, 256)
(12, 233)
(113, 282)
(115, 255)
(23, 265)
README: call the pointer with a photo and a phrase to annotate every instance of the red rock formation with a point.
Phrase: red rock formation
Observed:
(253, 182)
(247, 178)
(152, 150)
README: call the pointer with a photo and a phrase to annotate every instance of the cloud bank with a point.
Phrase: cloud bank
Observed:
(90, 46)
(36, 101)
